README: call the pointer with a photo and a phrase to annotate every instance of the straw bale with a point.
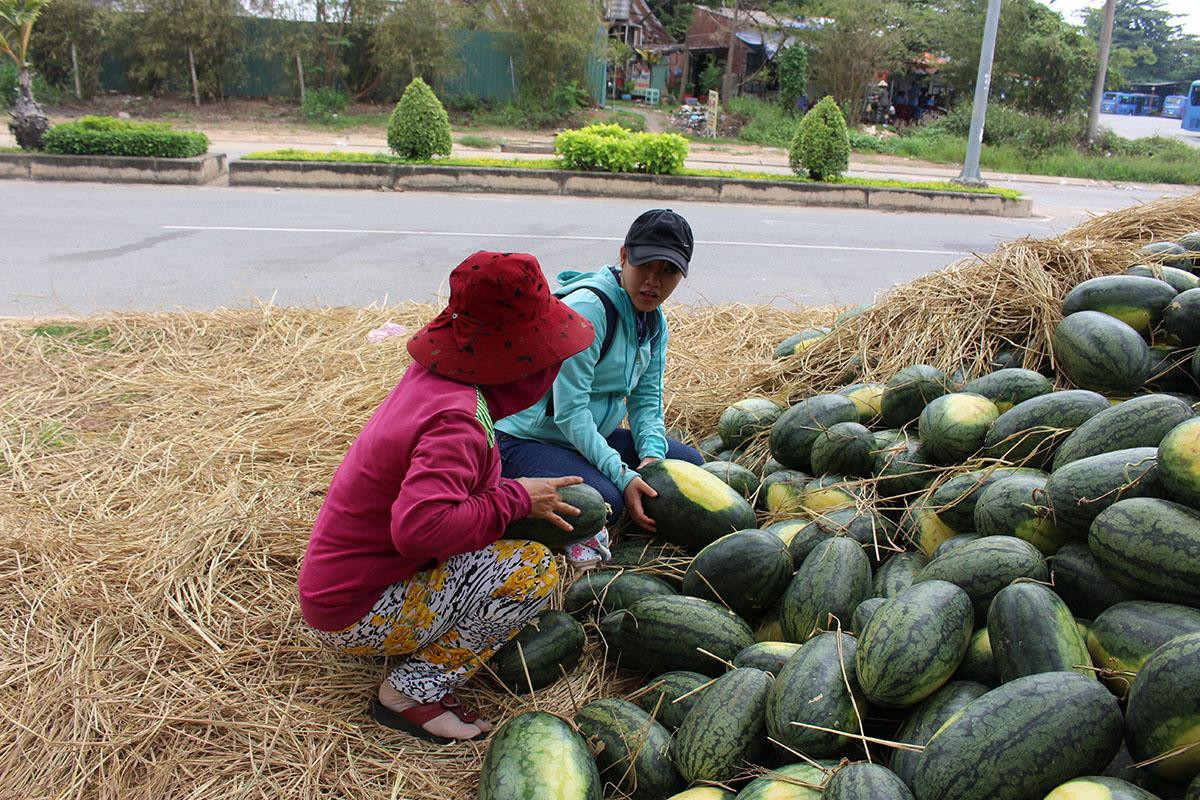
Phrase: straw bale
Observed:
(159, 474)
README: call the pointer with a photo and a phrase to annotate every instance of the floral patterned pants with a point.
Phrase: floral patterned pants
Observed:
(449, 620)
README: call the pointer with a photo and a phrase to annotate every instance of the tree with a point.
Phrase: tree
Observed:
(821, 147)
(553, 39)
(168, 37)
(419, 127)
(792, 65)
(72, 32)
(413, 41)
(29, 122)
(1149, 37)
(860, 40)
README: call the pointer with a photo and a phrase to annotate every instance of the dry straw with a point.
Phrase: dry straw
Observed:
(159, 475)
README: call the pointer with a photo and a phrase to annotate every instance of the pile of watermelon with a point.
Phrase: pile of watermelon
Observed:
(941, 587)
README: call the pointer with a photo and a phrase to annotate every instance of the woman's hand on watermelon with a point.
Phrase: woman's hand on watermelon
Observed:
(544, 502)
(634, 492)
(648, 460)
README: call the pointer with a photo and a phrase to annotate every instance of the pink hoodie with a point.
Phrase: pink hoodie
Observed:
(420, 483)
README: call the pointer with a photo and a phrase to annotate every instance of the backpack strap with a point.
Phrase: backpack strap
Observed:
(610, 330)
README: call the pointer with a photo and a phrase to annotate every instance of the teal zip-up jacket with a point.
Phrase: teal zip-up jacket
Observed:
(591, 399)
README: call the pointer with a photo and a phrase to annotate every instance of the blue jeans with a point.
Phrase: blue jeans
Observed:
(526, 458)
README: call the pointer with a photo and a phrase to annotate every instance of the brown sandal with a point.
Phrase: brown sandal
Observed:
(412, 720)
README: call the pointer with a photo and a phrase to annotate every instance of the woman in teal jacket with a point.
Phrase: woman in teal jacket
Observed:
(574, 429)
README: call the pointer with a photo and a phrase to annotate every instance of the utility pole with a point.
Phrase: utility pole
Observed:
(729, 83)
(983, 81)
(1093, 126)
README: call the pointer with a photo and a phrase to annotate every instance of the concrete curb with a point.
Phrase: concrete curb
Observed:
(113, 169)
(425, 177)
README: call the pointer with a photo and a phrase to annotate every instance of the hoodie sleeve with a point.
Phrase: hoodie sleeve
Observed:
(645, 404)
(572, 394)
(439, 512)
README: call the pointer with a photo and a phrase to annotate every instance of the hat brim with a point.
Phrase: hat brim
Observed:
(495, 357)
(638, 254)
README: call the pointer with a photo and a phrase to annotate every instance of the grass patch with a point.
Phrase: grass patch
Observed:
(74, 334)
(340, 122)
(550, 163)
(478, 142)
(11, 150)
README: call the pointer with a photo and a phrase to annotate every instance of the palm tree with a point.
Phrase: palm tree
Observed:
(29, 122)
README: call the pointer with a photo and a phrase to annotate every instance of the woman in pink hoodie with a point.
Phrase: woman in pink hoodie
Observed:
(406, 556)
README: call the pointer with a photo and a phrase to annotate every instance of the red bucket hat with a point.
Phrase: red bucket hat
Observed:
(502, 323)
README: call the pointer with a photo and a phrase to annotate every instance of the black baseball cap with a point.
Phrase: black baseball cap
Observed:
(657, 234)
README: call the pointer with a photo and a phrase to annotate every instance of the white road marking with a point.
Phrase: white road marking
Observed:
(466, 234)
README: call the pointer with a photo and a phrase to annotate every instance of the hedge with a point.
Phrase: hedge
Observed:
(106, 136)
(611, 148)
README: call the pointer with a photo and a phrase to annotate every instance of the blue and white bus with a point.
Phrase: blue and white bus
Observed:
(1191, 111)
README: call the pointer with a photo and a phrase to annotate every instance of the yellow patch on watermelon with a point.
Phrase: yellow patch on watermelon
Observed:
(787, 531)
(1185, 765)
(1134, 317)
(967, 409)
(1180, 451)
(826, 499)
(783, 497)
(771, 630)
(783, 790)
(701, 793)
(869, 399)
(702, 488)
(930, 531)
(1080, 789)
(804, 344)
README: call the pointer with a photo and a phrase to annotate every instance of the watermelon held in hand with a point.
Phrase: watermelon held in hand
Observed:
(593, 516)
(693, 507)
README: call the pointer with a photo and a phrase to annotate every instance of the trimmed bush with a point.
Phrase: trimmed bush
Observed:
(106, 136)
(611, 148)
(822, 146)
(419, 128)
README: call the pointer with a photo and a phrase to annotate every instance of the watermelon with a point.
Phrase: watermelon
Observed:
(978, 665)
(1031, 630)
(954, 425)
(745, 571)
(745, 419)
(1021, 740)
(1163, 712)
(1182, 317)
(956, 499)
(1193, 789)
(693, 508)
(1163, 251)
(782, 490)
(537, 754)
(897, 573)
(786, 529)
(1019, 506)
(863, 613)
(799, 342)
(670, 696)
(667, 632)
(649, 554)
(864, 781)
(704, 793)
(907, 393)
(793, 434)
(604, 591)
(767, 656)
(1008, 387)
(1123, 636)
(868, 397)
(725, 727)
(913, 643)
(953, 543)
(985, 566)
(1179, 462)
(924, 527)
(1029, 432)
(801, 781)
(1098, 787)
(1170, 370)
(711, 447)
(1150, 547)
(740, 479)
(1082, 489)
(770, 629)
(924, 721)
(1137, 422)
(548, 647)
(828, 493)
(632, 750)
(1101, 353)
(1080, 581)
(903, 467)
(1136, 301)
(771, 466)
(1179, 279)
(832, 581)
(592, 517)
(845, 448)
(866, 526)
(812, 689)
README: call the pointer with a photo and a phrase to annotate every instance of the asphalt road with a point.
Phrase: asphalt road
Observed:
(1139, 127)
(83, 248)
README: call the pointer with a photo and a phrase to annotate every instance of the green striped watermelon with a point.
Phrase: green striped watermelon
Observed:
(953, 543)
(1021, 740)
(799, 342)
(1031, 630)
(745, 419)
(1170, 370)
(1008, 387)
(745, 571)
(770, 629)
(782, 491)
(1179, 279)
(1101, 353)
(711, 447)
(832, 581)
(1019, 506)
(724, 730)
(786, 529)
(693, 507)
(770, 467)
(978, 665)
(865, 781)
(1182, 318)
(801, 781)
(767, 656)
(592, 517)
(1179, 462)
(545, 649)
(1099, 787)
(898, 573)
(632, 750)
(925, 719)
(924, 527)
(866, 526)
(1030, 432)
(602, 592)
(828, 493)
(956, 498)
(812, 689)
(954, 425)
(1082, 489)
(537, 754)
(863, 613)
(704, 793)
(1163, 712)
(645, 555)
(868, 397)
(985, 566)
(913, 643)
(667, 632)
(903, 467)
(740, 479)
(1136, 301)
(845, 448)
(1123, 636)
(907, 393)
(1150, 547)
(1080, 581)
(670, 696)
(1137, 422)
(793, 434)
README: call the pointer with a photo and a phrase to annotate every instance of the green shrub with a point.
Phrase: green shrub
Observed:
(659, 153)
(611, 148)
(866, 143)
(419, 128)
(792, 65)
(323, 105)
(767, 123)
(822, 146)
(1032, 134)
(106, 136)
(43, 92)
